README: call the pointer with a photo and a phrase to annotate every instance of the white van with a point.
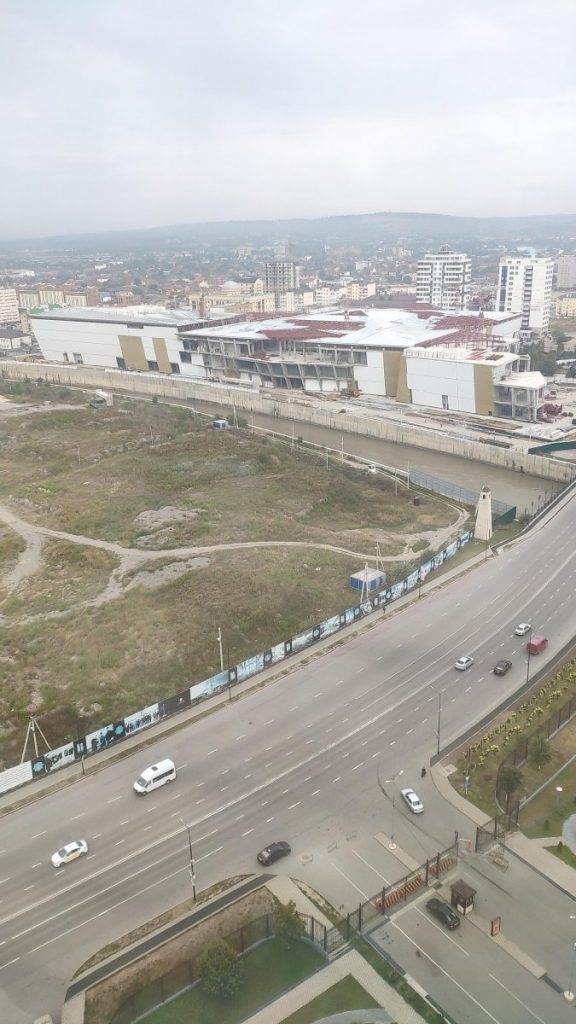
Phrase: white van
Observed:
(156, 775)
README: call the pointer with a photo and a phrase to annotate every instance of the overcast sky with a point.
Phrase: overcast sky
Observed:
(137, 113)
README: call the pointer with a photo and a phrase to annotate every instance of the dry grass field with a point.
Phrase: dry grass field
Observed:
(114, 570)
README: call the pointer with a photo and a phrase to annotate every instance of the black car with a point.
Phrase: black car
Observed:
(274, 852)
(501, 667)
(444, 912)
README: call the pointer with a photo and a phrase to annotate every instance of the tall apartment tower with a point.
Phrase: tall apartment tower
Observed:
(281, 276)
(9, 313)
(525, 286)
(566, 272)
(443, 279)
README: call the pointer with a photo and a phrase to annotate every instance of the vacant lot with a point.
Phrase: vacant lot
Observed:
(115, 570)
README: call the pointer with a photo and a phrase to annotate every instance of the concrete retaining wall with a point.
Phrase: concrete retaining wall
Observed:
(288, 406)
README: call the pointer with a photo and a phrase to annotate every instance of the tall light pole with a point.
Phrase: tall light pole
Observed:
(220, 649)
(191, 865)
(438, 726)
(390, 782)
(569, 993)
(528, 659)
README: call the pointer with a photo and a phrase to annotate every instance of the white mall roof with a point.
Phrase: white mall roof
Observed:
(372, 328)
(156, 316)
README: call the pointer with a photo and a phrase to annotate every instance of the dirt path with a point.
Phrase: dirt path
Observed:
(30, 561)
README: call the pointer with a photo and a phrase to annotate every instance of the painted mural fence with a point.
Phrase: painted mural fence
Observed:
(113, 733)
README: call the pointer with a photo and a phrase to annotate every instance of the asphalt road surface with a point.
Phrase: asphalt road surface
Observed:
(315, 758)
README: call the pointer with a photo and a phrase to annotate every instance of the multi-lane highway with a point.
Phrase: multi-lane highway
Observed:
(305, 759)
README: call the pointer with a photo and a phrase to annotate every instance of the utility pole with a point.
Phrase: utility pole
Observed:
(390, 782)
(528, 658)
(191, 855)
(220, 647)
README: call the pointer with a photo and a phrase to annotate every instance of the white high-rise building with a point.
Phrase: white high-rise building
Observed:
(566, 271)
(281, 276)
(525, 286)
(9, 313)
(443, 279)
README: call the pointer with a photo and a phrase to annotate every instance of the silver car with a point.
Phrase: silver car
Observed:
(412, 800)
(463, 663)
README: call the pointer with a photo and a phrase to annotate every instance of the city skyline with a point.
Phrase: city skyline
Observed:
(131, 116)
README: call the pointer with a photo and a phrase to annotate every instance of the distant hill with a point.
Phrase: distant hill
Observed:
(354, 229)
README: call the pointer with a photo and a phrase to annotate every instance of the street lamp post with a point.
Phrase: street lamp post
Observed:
(191, 854)
(528, 660)
(390, 782)
(569, 993)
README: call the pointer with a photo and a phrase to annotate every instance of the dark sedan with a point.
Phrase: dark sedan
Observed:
(444, 912)
(502, 667)
(274, 852)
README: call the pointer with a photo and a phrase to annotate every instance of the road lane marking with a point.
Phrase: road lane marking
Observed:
(297, 804)
(119, 843)
(269, 722)
(147, 828)
(249, 832)
(315, 793)
(180, 766)
(295, 708)
(453, 980)
(38, 834)
(523, 1005)
(242, 736)
(215, 751)
(2, 880)
(39, 864)
(112, 801)
(337, 779)
(353, 884)
(357, 766)
(127, 822)
(239, 817)
(27, 888)
(268, 820)
(372, 868)
(10, 962)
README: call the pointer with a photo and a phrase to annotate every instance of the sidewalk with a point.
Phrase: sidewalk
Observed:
(530, 851)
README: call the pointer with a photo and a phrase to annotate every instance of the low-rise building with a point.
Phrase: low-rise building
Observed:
(566, 305)
(462, 362)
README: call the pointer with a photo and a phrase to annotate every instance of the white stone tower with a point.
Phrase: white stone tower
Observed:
(483, 528)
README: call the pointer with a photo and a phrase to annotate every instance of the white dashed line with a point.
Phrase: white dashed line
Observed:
(244, 834)
(297, 804)
(113, 800)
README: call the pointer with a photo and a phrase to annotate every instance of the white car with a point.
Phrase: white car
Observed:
(463, 663)
(522, 628)
(412, 800)
(70, 852)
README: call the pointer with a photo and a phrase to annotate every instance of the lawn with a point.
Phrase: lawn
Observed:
(347, 994)
(270, 970)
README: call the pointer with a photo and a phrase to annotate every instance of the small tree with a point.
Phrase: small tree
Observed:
(220, 969)
(539, 752)
(509, 780)
(289, 926)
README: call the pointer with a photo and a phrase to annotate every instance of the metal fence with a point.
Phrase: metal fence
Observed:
(494, 832)
(398, 893)
(452, 490)
(183, 977)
